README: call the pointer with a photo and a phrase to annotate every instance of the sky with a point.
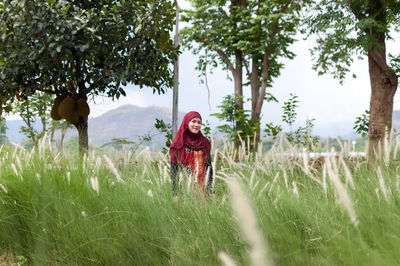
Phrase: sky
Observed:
(334, 106)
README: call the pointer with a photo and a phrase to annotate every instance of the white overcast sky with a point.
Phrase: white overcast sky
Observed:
(334, 106)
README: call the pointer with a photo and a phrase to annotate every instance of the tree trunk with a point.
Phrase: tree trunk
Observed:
(82, 127)
(63, 132)
(383, 88)
(238, 81)
(381, 108)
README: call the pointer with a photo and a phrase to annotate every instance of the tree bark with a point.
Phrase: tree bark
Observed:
(384, 84)
(383, 89)
(82, 127)
(238, 81)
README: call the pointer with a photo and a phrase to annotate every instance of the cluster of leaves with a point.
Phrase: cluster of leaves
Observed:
(253, 28)
(3, 129)
(165, 128)
(88, 47)
(34, 107)
(238, 124)
(346, 29)
(302, 135)
(361, 124)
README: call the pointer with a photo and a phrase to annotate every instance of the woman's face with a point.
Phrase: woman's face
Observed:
(195, 125)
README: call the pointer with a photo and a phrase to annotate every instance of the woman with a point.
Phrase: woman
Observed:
(191, 150)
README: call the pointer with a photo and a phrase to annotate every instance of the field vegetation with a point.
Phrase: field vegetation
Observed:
(276, 207)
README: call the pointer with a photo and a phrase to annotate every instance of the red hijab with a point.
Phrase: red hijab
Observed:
(186, 138)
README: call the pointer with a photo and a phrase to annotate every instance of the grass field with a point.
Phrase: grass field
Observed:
(270, 208)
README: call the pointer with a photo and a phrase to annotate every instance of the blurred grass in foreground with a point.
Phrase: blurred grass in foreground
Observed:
(117, 209)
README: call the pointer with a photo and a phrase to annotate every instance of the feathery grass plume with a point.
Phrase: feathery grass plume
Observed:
(248, 225)
(150, 193)
(225, 259)
(327, 145)
(16, 172)
(285, 178)
(30, 155)
(15, 151)
(295, 190)
(342, 194)
(38, 177)
(207, 175)
(4, 189)
(347, 173)
(386, 147)
(340, 144)
(189, 181)
(252, 178)
(19, 164)
(396, 148)
(255, 186)
(112, 168)
(165, 174)
(306, 170)
(264, 188)
(95, 184)
(324, 183)
(69, 178)
(273, 182)
(382, 185)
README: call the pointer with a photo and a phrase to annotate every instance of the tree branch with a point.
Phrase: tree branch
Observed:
(381, 62)
(221, 53)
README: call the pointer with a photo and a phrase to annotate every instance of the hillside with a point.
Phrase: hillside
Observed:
(126, 121)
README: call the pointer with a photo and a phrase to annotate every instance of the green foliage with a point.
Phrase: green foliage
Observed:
(272, 130)
(238, 125)
(227, 27)
(247, 38)
(349, 29)
(52, 214)
(34, 107)
(362, 123)
(289, 110)
(87, 47)
(302, 135)
(119, 143)
(165, 128)
(3, 131)
(206, 129)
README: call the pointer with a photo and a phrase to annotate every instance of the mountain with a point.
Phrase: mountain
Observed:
(130, 121)
(126, 121)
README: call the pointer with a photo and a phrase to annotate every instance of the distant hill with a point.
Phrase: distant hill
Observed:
(131, 121)
(126, 121)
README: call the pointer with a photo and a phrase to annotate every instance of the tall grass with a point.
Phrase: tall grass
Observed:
(117, 209)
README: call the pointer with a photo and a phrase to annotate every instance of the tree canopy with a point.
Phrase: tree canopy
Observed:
(250, 36)
(346, 29)
(84, 47)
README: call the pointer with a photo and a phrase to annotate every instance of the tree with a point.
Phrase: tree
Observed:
(82, 48)
(350, 28)
(247, 35)
(3, 129)
(59, 125)
(36, 106)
